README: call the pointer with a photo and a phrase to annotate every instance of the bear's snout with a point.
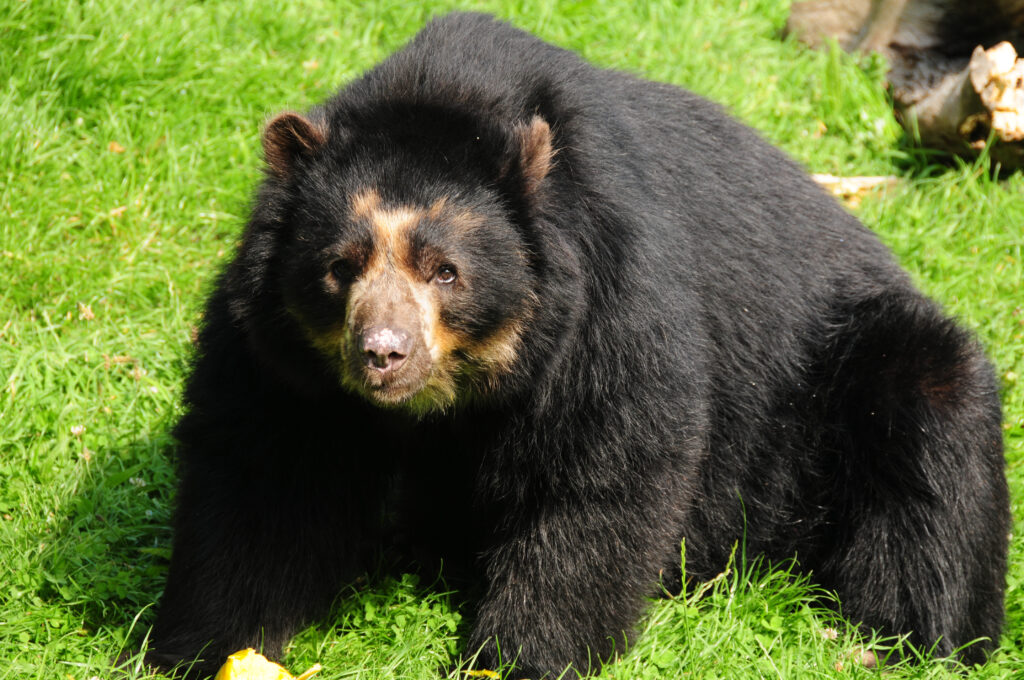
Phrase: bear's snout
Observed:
(385, 349)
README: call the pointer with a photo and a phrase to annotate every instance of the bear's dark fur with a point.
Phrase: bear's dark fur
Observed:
(548, 321)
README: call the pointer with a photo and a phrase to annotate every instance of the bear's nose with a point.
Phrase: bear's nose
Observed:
(384, 349)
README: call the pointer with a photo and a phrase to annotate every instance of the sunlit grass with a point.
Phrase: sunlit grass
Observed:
(128, 154)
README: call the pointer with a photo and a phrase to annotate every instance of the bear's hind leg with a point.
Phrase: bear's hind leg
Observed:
(917, 532)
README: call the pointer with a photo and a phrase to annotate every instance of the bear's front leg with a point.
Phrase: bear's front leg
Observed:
(262, 546)
(566, 583)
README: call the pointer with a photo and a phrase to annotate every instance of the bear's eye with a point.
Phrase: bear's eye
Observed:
(342, 271)
(446, 274)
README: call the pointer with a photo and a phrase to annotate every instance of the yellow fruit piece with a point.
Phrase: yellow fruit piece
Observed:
(481, 673)
(249, 664)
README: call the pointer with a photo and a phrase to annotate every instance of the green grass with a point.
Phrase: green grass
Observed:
(128, 153)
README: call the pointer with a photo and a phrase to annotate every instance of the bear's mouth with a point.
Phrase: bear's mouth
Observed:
(415, 381)
(418, 388)
(391, 388)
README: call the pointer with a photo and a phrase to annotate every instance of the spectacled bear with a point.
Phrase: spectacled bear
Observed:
(548, 321)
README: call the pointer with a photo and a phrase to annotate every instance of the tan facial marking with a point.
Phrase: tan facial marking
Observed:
(499, 351)
(437, 207)
(390, 276)
(364, 203)
(390, 225)
(435, 336)
(466, 220)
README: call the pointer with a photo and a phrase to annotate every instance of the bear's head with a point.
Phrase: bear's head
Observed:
(401, 253)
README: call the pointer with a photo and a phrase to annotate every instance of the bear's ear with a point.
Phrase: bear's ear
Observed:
(288, 136)
(536, 152)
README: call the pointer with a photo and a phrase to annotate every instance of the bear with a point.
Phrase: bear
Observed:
(546, 323)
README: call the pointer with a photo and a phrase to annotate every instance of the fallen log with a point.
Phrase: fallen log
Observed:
(955, 75)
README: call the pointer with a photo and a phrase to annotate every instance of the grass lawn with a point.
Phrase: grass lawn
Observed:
(129, 149)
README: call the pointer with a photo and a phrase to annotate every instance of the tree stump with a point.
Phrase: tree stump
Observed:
(955, 76)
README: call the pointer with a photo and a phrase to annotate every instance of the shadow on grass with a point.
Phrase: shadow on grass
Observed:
(912, 159)
(103, 563)
(86, 590)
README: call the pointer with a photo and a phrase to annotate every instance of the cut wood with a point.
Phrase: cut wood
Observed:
(997, 75)
(852, 189)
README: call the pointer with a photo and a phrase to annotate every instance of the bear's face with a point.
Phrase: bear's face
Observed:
(416, 291)
(414, 304)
